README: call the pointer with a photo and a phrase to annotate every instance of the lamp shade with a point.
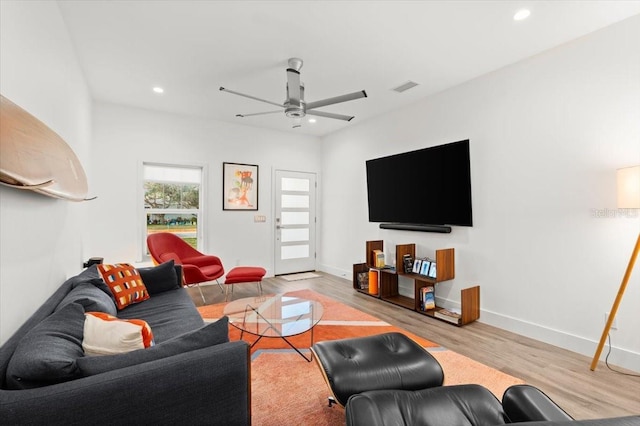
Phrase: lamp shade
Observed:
(629, 187)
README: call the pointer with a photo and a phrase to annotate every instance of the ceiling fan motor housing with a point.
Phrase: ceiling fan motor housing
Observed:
(292, 110)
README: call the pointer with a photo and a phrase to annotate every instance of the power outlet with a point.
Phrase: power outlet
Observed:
(614, 324)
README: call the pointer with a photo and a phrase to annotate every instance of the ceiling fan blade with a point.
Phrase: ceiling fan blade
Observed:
(257, 113)
(337, 100)
(293, 87)
(330, 115)
(222, 89)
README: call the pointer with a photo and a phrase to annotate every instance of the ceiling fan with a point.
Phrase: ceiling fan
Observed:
(294, 105)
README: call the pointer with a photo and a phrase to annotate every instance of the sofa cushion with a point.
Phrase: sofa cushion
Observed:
(47, 354)
(105, 334)
(169, 314)
(209, 335)
(100, 284)
(160, 278)
(91, 297)
(125, 283)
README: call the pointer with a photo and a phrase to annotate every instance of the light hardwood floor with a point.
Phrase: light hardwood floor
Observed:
(563, 375)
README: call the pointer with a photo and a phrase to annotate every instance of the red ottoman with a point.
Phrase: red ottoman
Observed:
(244, 274)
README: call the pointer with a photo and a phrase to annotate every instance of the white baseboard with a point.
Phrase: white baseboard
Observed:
(619, 356)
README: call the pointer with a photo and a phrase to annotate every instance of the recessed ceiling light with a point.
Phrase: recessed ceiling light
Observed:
(158, 89)
(521, 14)
(312, 120)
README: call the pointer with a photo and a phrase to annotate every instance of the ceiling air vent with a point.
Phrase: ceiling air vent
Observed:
(405, 86)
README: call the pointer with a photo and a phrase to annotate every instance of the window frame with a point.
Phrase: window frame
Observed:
(143, 255)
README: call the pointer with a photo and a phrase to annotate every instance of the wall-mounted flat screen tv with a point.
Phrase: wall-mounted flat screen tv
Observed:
(430, 186)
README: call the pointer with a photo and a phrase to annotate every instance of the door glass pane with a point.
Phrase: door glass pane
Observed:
(295, 218)
(183, 225)
(294, 252)
(289, 235)
(293, 184)
(295, 201)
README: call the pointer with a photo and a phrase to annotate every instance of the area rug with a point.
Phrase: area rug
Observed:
(285, 389)
(300, 276)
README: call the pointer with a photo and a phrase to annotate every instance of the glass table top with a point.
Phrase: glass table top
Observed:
(274, 316)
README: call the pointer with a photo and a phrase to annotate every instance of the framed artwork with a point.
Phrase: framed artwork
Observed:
(239, 186)
(432, 270)
(424, 268)
(416, 266)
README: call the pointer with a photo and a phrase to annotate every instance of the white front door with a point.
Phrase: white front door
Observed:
(295, 222)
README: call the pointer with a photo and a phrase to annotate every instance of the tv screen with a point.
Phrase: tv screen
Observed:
(430, 186)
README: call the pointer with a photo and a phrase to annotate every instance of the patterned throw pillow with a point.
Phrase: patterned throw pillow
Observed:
(125, 283)
(105, 334)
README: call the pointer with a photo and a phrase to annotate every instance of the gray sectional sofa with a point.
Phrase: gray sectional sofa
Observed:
(192, 375)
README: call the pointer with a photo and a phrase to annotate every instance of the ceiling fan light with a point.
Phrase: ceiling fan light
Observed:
(295, 114)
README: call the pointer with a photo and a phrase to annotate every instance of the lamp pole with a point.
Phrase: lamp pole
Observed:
(616, 303)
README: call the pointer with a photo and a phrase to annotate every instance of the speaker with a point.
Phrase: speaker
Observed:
(93, 261)
(442, 229)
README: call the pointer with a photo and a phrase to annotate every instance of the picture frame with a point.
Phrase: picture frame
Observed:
(407, 261)
(432, 270)
(424, 268)
(239, 186)
(416, 266)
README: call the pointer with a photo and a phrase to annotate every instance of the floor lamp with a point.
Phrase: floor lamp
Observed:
(628, 182)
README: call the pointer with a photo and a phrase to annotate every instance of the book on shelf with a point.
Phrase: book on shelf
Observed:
(427, 298)
(363, 280)
(378, 257)
(448, 315)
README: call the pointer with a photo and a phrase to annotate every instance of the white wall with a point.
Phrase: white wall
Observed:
(125, 137)
(547, 135)
(40, 237)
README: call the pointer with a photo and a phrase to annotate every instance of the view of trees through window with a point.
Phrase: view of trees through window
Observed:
(172, 201)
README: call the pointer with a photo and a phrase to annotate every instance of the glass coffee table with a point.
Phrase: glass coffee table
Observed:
(279, 316)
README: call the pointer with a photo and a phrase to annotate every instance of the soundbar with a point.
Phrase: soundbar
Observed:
(443, 229)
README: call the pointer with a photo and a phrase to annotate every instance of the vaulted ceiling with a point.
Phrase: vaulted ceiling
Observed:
(192, 48)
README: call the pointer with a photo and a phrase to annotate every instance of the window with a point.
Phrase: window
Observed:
(172, 200)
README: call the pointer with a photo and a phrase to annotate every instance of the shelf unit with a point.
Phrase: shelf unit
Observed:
(388, 281)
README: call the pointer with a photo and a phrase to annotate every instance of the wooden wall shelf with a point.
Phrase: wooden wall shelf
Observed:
(387, 288)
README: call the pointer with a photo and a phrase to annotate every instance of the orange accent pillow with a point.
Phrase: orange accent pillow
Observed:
(125, 283)
(105, 334)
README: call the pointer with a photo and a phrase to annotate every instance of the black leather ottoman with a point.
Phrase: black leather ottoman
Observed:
(384, 361)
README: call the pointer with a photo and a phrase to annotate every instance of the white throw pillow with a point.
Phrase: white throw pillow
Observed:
(105, 334)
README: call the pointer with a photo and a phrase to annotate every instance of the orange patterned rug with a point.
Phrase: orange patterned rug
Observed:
(285, 389)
